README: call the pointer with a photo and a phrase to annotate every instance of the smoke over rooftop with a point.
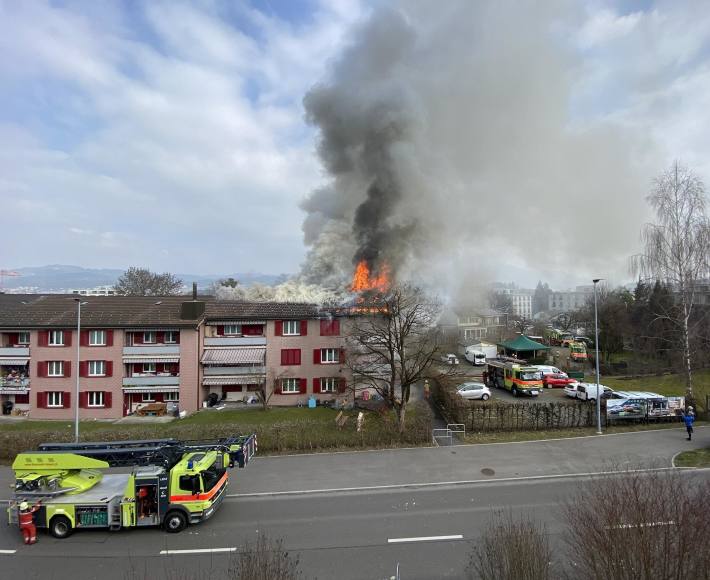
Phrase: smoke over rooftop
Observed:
(451, 152)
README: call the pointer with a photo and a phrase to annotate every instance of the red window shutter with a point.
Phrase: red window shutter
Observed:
(160, 337)
(84, 338)
(341, 354)
(284, 356)
(42, 400)
(107, 399)
(42, 369)
(220, 331)
(316, 385)
(297, 356)
(177, 336)
(316, 356)
(67, 368)
(66, 400)
(109, 338)
(279, 331)
(43, 339)
(335, 327)
(22, 399)
(304, 328)
(83, 400)
(137, 338)
(303, 386)
(108, 365)
(341, 385)
(83, 368)
(277, 387)
(13, 337)
(67, 337)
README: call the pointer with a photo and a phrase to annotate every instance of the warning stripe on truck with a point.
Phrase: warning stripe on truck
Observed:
(208, 495)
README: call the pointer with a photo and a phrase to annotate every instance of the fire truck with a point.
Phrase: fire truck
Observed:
(171, 484)
(577, 351)
(518, 379)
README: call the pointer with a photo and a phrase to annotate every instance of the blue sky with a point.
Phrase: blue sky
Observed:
(171, 134)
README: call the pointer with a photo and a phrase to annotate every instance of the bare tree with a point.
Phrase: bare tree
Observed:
(393, 344)
(677, 248)
(142, 282)
(520, 323)
(511, 549)
(265, 559)
(640, 526)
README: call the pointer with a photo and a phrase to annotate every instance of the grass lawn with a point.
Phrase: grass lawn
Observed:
(696, 458)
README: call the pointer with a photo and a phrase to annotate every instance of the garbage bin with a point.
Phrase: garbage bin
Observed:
(7, 407)
(212, 399)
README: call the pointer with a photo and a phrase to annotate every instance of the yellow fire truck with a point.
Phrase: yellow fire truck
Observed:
(518, 379)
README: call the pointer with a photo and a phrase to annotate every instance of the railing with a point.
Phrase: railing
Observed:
(16, 383)
(15, 351)
(151, 349)
(153, 380)
(211, 371)
(448, 433)
(235, 341)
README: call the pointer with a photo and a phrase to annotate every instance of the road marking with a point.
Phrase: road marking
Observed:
(8, 552)
(645, 525)
(196, 551)
(459, 482)
(424, 539)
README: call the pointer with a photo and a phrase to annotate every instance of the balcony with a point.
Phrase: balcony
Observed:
(235, 341)
(153, 380)
(14, 384)
(15, 352)
(149, 350)
(234, 370)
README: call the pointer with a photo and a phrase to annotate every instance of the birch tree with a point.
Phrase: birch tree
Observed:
(676, 248)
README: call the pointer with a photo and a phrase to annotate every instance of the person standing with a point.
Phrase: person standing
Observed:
(689, 418)
(427, 389)
(27, 524)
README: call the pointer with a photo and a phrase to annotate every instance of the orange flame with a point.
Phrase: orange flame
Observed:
(364, 280)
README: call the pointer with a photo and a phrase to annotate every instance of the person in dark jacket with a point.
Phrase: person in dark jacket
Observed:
(689, 418)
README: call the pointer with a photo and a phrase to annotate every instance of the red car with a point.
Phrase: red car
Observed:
(557, 381)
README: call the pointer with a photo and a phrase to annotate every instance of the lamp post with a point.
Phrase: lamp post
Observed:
(596, 357)
(79, 304)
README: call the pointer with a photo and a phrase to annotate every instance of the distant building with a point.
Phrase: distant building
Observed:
(97, 291)
(521, 299)
(570, 300)
(468, 326)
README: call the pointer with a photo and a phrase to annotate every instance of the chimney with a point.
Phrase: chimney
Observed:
(192, 309)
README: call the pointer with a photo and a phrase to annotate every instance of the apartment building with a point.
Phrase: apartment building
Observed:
(521, 301)
(466, 326)
(570, 300)
(139, 350)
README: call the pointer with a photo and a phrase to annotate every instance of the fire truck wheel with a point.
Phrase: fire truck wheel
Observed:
(60, 527)
(175, 521)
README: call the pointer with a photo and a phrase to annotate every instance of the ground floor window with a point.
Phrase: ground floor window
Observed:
(171, 397)
(290, 386)
(55, 399)
(96, 398)
(147, 397)
(328, 385)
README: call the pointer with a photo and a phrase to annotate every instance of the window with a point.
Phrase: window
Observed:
(328, 385)
(147, 397)
(97, 338)
(233, 329)
(55, 368)
(56, 338)
(149, 367)
(149, 337)
(289, 386)
(23, 337)
(291, 328)
(172, 397)
(55, 399)
(171, 337)
(471, 333)
(97, 368)
(329, 355)
(290, 356)
(96, 398)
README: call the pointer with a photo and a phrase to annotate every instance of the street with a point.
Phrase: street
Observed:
(353, 515)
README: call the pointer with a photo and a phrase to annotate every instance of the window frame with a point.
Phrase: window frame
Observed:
(328, 389)
(288, 324)
(95, 395)
(152, 334)
(154, 365)
(52, 337)
(19, 339)
(228, 327)
(51, 367)
(169, 398)
(172, 334)
(150, 399)
(290, 382)
(95, 363)
(93, 334)
(324, 359)
(55, 394)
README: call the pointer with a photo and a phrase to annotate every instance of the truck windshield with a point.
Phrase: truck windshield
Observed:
(531, 376)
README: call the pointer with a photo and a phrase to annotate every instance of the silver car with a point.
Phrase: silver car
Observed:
(474, 391)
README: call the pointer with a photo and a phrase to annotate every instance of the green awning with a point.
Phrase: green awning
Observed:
(522, 343)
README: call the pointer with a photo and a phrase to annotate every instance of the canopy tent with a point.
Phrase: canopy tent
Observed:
(522, 344)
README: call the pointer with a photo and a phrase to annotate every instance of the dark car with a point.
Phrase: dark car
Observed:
(556, 380)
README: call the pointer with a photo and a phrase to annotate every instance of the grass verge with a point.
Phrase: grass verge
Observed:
(694, 458)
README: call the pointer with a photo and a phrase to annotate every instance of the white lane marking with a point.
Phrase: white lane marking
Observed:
(196, 551)
(9, 552)
(644, 525)
(424, 539)
(459, 482)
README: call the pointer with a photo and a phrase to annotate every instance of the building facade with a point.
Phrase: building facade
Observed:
(570, 300)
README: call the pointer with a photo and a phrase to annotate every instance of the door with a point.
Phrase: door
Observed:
(147, 512)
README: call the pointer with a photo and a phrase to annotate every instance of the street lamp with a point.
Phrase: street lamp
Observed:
(79, 304)
(596, 357)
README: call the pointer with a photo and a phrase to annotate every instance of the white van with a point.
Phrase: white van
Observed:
(548, 370)
(475, 357)
(588, 391)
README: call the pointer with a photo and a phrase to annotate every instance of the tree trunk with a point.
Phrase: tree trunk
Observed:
(401, 410)
(686, 351)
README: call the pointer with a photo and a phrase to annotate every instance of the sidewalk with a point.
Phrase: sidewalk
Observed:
(464, 462)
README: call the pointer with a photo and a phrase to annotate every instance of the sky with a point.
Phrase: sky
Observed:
(173, 135)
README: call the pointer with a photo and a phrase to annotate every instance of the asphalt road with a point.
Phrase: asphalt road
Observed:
(341, 512)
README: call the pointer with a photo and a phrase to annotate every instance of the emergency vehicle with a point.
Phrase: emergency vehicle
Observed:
(171, 484)
(518, 379)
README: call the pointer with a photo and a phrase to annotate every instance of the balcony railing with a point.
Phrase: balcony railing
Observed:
(147, 349)
(245, 370)
(15, 383)
(15, 351)
(235, 341)
(151, 381)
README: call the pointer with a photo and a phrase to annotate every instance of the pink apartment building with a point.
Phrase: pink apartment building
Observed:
(138, 350)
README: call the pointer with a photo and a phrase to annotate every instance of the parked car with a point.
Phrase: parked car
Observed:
(557, 380)
(588, 391)
(549, 370)
(474, 391)
(450, 359)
